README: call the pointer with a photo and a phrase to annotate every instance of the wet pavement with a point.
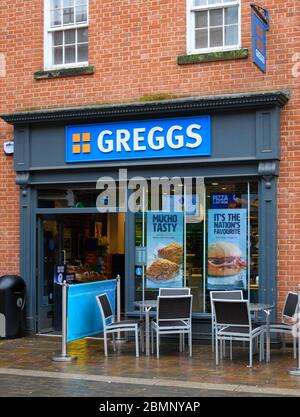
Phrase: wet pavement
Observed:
(20, 386)
(174, 372)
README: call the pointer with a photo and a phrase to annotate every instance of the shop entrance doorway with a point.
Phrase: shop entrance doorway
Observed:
(92, 246)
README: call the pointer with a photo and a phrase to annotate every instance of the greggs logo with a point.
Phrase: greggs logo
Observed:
(160, 138)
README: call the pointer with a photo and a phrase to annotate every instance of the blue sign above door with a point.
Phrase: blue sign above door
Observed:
(259, 42)
(141, 139)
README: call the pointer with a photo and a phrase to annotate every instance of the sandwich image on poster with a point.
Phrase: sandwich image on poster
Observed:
(164, 250)
(227, 249)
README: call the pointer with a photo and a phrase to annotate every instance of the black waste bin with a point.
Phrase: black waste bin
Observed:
(12, 305)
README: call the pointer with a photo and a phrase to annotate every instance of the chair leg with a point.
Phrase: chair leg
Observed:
(212, 336)
(222, 350)
(136, 342)
(190, 341)
(114, 341)
(180, 342)
(263, 346)
(231, 348)
(260, 346)
(217, 350)
(295, 347)
(183, 342)
(142, 335)
(152, 341)
(250, 353)
(157, 344)
(105, 344)
(283, 342)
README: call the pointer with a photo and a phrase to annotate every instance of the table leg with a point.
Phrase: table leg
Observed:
(268, 355)
(147, 318)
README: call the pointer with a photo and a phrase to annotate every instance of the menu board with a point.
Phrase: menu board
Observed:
(227, 249)
(164, 249)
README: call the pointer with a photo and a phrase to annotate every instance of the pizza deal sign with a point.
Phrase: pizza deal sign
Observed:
(164, 249)
(227, 249)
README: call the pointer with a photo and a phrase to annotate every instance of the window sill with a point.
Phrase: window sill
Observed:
(64, 72)
(212, 56)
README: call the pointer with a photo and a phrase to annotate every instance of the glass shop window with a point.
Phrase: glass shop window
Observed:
(215, 246)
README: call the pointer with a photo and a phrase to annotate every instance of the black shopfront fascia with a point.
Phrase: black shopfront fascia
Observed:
(245, 145)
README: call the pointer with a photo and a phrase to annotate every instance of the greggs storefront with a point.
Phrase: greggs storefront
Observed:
(166, 194)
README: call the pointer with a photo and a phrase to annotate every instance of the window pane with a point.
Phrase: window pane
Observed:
(201, 20)
(231, 35)
(55, 4)
(82, 53)
(68, 16)
(70, 54)
(81, 14)
(231, 15)
(216, 17)
(214, 1)
(216, 37)
(200, 2)
(57, 56)
(56, 18)
(69, 37)
(82, 35)
(68, 3)
(81, 3)
(201, 38)
(57, 38)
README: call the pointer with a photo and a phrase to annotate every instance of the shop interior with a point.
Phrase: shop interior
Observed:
(91, 246)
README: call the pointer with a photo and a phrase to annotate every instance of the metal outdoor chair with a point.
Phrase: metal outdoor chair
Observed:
(233, 323)
(117, 326)
(174, 291)
(290, 308)
(174, 316)
(221, 295)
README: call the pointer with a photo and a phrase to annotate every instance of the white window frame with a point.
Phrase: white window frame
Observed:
(48, 59)
(190, 26)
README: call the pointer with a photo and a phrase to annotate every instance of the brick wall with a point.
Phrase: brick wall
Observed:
(134, 46)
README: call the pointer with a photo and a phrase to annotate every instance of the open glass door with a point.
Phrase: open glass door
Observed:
(49, 254)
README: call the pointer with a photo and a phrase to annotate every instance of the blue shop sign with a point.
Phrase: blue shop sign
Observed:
(259, 42)
(142, 139)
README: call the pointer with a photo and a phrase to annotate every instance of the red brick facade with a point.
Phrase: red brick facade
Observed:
(134, 45)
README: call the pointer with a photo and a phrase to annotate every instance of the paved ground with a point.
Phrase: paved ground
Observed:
(26, 369)
(33, 386)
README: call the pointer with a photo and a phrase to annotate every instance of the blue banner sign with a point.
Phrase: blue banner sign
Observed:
(223, 200)
(227, 249)
(142, 139)
(259, 42)
(164, 249)
(84, 317)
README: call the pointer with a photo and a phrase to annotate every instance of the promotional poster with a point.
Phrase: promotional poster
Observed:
(227, 249)
(164, 250)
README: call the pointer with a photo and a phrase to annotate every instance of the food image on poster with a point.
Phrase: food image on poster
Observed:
(164, 250)
(224, 260)
(172, 252)
(227, 249)
(162, 269)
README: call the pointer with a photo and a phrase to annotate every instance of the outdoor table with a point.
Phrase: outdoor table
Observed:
(266, 308)
(146, 305)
